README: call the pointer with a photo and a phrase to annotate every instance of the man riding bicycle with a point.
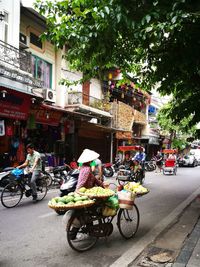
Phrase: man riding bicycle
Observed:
(34, 162)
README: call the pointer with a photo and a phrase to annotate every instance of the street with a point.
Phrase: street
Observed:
(34, 235)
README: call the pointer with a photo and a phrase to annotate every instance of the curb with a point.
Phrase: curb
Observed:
(129, 256)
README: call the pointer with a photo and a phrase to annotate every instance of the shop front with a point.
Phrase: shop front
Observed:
(14, 112)
(93, 137)
(46, 129)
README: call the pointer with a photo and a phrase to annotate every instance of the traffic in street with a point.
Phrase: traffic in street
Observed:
(32, 234)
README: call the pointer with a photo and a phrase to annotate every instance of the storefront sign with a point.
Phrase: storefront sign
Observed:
(46, 116)
(14, 105)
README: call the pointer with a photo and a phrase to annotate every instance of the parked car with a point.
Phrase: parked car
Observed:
(188, 160)
(196, 154)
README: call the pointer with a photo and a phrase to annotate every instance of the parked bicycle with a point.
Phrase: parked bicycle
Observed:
(19, 186)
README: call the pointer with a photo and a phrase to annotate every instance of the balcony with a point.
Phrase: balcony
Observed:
(19, 59)
(15, 64)
(79, 98)
(139, 117)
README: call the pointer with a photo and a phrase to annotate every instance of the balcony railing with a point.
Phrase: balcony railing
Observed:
(81, 98)
(17, 58)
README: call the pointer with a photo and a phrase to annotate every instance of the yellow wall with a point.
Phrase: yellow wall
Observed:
(48, 52)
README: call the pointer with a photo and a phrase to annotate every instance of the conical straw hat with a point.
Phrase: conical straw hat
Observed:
(87, 156)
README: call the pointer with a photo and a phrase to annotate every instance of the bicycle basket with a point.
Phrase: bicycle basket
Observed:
(17, 173)
(124, 175)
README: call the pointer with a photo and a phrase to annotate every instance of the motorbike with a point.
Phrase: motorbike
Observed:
(149, 165)
(109, 169)
(58, 174)
(69, 185)
(5, 176)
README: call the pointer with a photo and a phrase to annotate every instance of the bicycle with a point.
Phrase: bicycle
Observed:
(92, 225)
(18, 186)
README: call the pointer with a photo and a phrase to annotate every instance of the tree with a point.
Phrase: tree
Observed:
(179, 133)
(156, 41)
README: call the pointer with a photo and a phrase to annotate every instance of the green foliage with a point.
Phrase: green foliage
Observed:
(179, 144)
(165, 121)
(156, 41)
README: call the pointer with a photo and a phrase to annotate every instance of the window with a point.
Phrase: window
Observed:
(35, 40)
(42, 70)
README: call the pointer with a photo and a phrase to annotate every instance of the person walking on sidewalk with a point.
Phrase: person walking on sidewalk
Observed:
(33, 161)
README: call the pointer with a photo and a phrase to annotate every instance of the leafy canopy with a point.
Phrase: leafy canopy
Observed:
(157, 41)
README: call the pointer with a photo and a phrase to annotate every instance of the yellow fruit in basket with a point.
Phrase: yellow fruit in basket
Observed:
(82, 189)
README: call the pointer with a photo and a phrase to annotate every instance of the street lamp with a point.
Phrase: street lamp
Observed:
(4, 92)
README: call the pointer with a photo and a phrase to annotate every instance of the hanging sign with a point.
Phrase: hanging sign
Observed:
(14, 105)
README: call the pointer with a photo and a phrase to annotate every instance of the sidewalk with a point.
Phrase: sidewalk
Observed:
(178, 245)
(174, 242)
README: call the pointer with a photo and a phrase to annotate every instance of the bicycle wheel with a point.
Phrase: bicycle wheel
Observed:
(128, 222)
(48, 179)
(41, 189)
(79, 239)
(11, 195)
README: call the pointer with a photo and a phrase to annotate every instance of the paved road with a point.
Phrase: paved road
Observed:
(33, 235)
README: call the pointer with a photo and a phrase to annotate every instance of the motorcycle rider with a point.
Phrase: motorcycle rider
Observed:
(34, 162)
(140, 156)
(127, 162)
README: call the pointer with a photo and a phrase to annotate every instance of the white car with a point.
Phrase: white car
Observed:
(196, 154)
(188, 160)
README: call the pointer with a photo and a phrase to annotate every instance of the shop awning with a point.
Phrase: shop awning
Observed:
(81, 108)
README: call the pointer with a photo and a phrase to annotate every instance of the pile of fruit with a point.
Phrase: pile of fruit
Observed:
(72, 200)
(96, 191)
(136, 188)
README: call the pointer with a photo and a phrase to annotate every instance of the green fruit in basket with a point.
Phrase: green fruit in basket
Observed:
(53, 201)
(77, 199)
(70, 203)
(56, 199)
(84, 198)
(60, 203)
(71, 194)
(69, 199)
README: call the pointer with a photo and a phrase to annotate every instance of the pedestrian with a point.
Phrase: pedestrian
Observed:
(159, 161)
(34, 163)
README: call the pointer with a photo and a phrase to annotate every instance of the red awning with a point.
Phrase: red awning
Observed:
(170, 151)
(129, 148)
